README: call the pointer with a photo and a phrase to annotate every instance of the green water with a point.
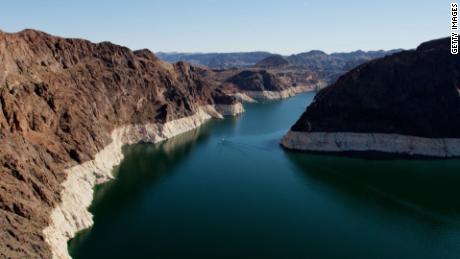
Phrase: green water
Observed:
(227, 190)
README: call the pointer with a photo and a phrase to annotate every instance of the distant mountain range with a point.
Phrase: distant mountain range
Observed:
(328, 67)
(216, 60)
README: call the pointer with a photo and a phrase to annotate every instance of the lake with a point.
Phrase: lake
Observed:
(228, 190)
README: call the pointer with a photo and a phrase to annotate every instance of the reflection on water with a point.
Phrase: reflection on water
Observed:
(151, 163)
(426, 189)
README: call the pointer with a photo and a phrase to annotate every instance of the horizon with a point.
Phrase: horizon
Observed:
(284, 55)
(225, 52)
(291, 27)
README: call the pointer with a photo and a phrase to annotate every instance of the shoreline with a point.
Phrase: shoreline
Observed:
(335, 142)
(71, 214)
(275, 95)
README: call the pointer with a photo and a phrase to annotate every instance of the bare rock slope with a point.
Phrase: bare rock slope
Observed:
(268, 84)
(62, 103)
(407, 103)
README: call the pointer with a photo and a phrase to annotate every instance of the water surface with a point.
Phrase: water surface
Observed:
(227, 190)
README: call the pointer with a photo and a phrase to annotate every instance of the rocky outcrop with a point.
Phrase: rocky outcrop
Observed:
(263, 84)
(261, 80)
(67, 106)
(407, 103)
(275, 61)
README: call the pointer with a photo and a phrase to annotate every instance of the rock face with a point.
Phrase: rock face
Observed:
(63, 102)
(406, 103)
(274, 61)
(257, 81)
(264, 84)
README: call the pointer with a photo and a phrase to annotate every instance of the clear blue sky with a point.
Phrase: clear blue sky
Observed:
(281, 26)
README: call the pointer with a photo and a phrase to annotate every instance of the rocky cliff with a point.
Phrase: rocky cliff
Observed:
(406, 103)
(257, 81)
(254, 84)
(275, 61)
(269, 84)
(67, 106)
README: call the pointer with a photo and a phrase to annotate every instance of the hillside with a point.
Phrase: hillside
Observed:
(67, 106)
(406, 103)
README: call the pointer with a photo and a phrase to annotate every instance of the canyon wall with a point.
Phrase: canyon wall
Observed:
(67, 106)
(406, 103)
